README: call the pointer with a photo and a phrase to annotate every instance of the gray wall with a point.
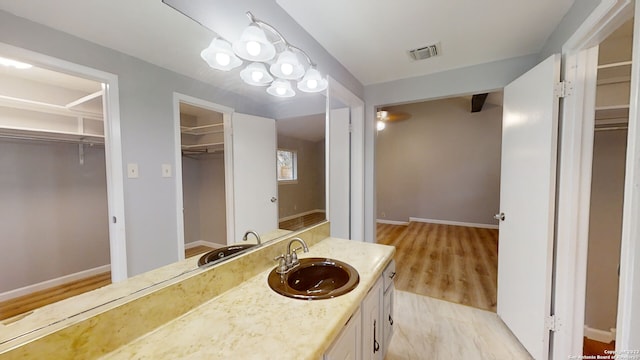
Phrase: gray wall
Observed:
(53, 211)
(605, 228)
(204, 199)
(308, 193)
(441, 164)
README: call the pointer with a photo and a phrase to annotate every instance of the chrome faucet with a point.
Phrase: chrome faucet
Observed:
(290, 260)
(244, 238)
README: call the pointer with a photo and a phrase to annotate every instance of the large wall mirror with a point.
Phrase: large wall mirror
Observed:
(290, 136)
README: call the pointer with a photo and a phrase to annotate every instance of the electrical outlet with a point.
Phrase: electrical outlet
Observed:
(383, 214)
(132, 171)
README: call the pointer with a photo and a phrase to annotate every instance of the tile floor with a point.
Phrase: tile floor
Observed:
(429, 328)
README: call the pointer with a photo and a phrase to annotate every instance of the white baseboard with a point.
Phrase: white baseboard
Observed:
(300, 214)
(203, 243)
(602, 336)
(455, 223)
(11, 294)
(391, 222)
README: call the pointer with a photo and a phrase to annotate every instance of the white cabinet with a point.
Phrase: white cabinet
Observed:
(367, 334)
(371, 324)
(348, 344)
(388, 302)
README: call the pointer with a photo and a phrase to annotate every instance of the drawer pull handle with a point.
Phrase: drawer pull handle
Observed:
(376, 346)
(390, 320)
(393, 274)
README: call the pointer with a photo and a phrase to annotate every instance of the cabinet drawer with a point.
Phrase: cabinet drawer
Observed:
(387, 316)
(389, 274)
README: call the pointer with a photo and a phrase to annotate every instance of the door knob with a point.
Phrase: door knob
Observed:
(499, 216)
(273, 199)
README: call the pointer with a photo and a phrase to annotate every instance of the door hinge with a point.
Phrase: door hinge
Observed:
(552, 323)
(350, 128)
(563, 89)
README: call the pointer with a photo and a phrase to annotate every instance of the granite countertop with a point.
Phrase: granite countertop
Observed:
(251, 321)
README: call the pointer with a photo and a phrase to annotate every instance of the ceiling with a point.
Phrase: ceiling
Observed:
(370, 41)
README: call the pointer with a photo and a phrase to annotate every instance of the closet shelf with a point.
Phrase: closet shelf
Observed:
(615, 64)
(49, 135)
(202, 129)
(203, 146)
(47, 108)
(612, 112)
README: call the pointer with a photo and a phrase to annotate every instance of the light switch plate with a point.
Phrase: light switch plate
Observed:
(132, 171)
(166, 170)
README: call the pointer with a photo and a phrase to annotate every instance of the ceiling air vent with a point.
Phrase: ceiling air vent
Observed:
(425, 52)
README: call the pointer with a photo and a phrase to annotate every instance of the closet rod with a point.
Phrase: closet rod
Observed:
(611, 128)
(36, 138)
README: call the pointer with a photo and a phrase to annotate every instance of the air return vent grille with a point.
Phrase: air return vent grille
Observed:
(424, 52)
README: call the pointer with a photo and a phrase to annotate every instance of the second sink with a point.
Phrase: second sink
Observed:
(221, 254)
(315, 278)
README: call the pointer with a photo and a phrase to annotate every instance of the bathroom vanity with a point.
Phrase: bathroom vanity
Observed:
(244, 319)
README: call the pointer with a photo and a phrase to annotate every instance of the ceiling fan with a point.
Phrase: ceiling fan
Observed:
(386, 116)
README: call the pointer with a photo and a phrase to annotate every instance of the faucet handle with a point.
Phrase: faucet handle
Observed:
(294, 257)
(282, 266)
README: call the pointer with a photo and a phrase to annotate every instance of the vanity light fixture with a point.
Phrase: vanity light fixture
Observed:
(15, 64)
(256, 74)
(272, 60)
(281, 88)
(220, 56)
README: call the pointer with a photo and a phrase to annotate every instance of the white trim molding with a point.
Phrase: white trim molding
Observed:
(455, 223)
(602, 336)
(391, 222)
(29, 289)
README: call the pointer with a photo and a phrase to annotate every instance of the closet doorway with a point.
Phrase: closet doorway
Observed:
(202, 137)
(57, 185)
(607, 189)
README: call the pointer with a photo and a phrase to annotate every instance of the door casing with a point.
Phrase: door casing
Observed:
(574, 186)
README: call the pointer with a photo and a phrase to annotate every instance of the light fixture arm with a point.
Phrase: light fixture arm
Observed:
(273, 30)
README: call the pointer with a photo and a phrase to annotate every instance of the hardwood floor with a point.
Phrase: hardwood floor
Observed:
(20, 305)
(196, 250)
(303, 221)
(23, 304)
(595, 348)
(452, 263)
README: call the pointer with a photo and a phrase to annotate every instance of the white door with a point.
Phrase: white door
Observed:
(527, 199)
(338, 175)
(255, 187)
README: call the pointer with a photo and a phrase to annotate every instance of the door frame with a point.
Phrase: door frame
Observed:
(112, 145)
(227, 112)
(574, 186)
(337, 90)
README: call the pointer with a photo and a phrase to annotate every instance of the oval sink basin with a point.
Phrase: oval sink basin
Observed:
(221, 254)
(315, 278)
